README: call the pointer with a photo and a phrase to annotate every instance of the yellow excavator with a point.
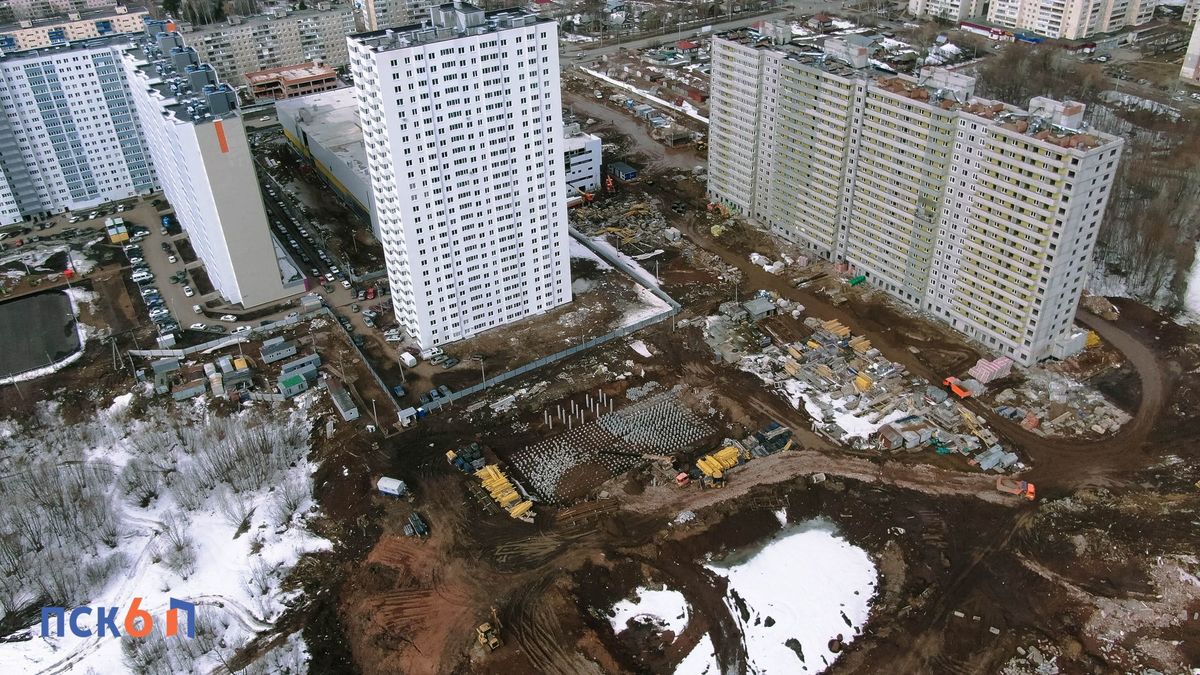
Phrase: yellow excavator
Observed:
(488, 635)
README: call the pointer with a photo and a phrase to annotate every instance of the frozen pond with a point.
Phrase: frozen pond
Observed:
(791, 596)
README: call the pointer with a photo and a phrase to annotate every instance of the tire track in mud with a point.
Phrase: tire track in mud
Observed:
(535, 627)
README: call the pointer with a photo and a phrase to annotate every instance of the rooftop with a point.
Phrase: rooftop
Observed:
(86, 15)
(1057, 123)
(331, 120)
(447, 22)
(77, 45)
(303, 71)
(189, 89)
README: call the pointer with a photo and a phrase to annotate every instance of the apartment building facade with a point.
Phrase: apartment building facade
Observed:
(69, 138)
(949, 10)
(197, 143)
(279, 38)
(980, 213)
(381, 14)
(28, 10)
(51, 32)
(1070, 19)
(1191, 59)
(461, 119)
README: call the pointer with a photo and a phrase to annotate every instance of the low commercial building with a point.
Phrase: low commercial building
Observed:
(325, 128)
(581, 160)
(291, 81)
(37, 34)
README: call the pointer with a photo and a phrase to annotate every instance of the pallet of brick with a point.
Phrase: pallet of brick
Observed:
(985, 371)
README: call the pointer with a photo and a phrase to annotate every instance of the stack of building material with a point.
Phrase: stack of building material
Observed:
(1031, 421)
(502, 491)
(860, 344)
(985, 371)
(836, 328)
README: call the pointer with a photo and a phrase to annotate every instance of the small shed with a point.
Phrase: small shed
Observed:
(622, 171)
(293, 385)
(277, 349)
(392, 486)
(760, 308)
(341, 399)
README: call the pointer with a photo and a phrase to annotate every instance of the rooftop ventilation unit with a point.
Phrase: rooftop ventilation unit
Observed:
(201, 76)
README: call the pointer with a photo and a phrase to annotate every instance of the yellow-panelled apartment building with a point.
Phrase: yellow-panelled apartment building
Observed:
(977, 212)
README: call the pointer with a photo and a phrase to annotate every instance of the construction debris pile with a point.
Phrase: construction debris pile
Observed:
(1053, 404)
(627, 220)
(613, 442)
(857, 397)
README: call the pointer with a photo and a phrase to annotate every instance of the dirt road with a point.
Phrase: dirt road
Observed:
(660, 156)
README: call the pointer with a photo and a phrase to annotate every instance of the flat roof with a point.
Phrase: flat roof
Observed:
(72, 46)
(300, 71)
(63, 20)
(331, 120)
(493, 21)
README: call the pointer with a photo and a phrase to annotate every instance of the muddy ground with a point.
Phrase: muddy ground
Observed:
(1098, 574)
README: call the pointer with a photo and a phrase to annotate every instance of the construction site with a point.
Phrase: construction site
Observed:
(791, 473)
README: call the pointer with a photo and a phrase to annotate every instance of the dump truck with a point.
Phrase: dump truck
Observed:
(1020, 488)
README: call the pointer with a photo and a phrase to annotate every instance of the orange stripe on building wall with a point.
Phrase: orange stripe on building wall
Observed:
(221, 137)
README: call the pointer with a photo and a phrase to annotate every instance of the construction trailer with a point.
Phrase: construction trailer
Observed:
(393, 487)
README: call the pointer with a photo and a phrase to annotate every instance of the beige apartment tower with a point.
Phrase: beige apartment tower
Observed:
(980, 213)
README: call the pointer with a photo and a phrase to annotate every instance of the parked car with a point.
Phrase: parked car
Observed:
(370, 293)
(444, 390)
(159, 311)
(199, 326)
(136, 260)
(229, 317)
(399, 391)
(345, 283)
(242, 329)
(197, 309)
(187, 291)
(172, 259)
(361, 295)
(450, 362)
(149, 291)
(430, 353)
(166, 247)
(437, 358)
(142, 277)
(328, 277)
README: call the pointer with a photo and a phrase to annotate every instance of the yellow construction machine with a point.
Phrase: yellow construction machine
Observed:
(488, 635)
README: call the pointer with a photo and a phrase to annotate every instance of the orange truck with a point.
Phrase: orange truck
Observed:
(1016, 487)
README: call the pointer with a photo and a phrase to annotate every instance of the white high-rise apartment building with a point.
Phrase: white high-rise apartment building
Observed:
(202, 158)
(68, 137)
(1070, 19)
(462, 121)
(981, 213)
(1191, 60)
(278, 38)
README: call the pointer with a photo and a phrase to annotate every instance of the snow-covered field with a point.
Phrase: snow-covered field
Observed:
(801, 590)
(665, 609)
(812, 584)
(173, 503)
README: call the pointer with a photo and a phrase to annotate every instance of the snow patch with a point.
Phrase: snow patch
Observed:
(641, 348)
(813, 584)
(702, 660)
(665, 609)
(578, 250)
